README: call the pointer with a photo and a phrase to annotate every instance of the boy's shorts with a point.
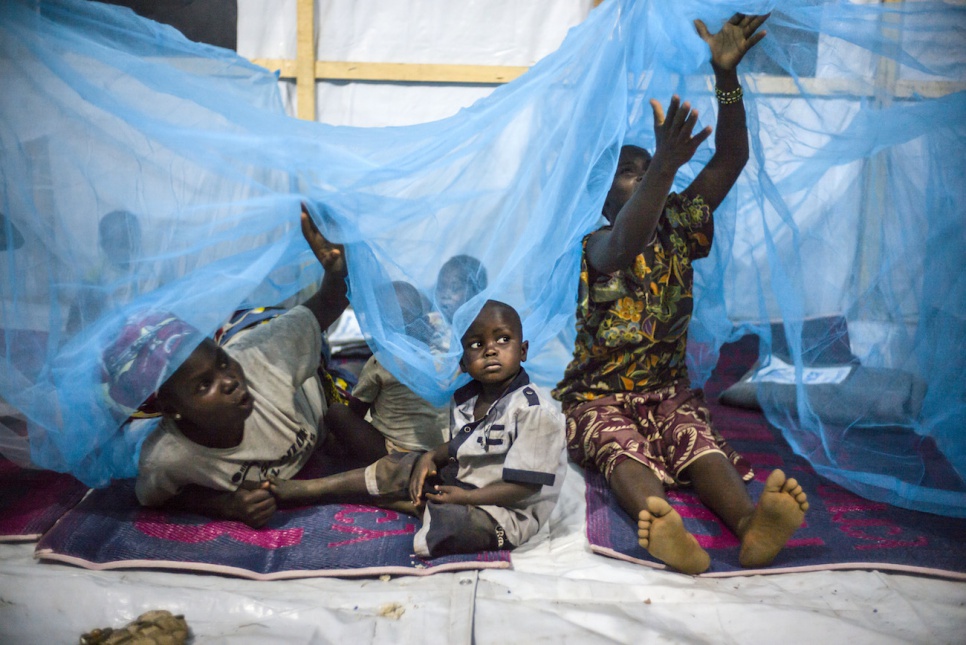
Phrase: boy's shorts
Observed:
(447, 528)
(392, 448)
(665, 430)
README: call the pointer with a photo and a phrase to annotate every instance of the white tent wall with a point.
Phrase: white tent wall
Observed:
(470, 32)
(557, 591)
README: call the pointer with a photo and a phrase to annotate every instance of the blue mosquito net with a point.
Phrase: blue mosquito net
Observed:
(140, 171)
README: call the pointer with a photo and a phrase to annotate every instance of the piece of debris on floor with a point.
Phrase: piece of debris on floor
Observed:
(392, 610)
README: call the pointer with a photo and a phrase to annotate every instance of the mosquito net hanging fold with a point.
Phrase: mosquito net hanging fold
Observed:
(142, 172)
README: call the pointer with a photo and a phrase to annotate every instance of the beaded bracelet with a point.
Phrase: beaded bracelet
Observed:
(728, 98)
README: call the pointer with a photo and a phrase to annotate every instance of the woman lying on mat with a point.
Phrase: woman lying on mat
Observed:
(231, 417)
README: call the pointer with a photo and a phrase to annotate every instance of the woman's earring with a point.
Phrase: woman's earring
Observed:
(177, 416)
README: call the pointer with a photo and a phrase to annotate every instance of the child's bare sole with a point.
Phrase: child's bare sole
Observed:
(294, 492)
(780, 511)
(661, 531)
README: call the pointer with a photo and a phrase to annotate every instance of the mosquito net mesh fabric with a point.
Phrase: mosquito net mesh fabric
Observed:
(142, 172)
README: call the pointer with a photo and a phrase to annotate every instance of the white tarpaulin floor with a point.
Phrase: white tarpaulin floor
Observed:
(557, 591)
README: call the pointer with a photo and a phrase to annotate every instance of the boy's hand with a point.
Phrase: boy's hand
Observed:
(449, 495)
(331, 256)
(733, 41)
(425, 467)
(253, 506)
(675, 143)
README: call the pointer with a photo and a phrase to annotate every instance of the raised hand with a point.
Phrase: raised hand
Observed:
(675, 142)
(331, 256)
(734, 39)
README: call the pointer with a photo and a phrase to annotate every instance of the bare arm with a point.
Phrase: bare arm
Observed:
(728, 47)
(634, 225)
(359, 407)
(254, 507)
(330, 300)
(495, 494)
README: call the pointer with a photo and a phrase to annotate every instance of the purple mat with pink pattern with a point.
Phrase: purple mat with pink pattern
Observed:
(32, 500)
(109, 530)
(841, 530)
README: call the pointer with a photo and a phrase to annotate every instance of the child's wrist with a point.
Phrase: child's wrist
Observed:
(725, 78)
(661, 168)
(428, 460)
(730, 97)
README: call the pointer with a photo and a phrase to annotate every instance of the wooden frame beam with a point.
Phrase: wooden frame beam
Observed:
(399, 72)
(305, 59)
(499, 74)
(307, 71)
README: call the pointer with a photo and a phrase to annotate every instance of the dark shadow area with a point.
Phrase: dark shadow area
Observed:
(214, 22)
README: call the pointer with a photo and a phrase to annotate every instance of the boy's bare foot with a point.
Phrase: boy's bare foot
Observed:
(294, 492)
(780, 511)
(401, 506)
(661, 531)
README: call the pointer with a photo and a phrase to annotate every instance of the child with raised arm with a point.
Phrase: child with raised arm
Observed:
(231, 417)
(631, 413)
(496, 480)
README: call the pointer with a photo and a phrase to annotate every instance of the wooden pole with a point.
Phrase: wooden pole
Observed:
(305, 59)
(877, 209)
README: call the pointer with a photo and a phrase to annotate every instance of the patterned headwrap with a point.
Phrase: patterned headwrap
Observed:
(147, 351)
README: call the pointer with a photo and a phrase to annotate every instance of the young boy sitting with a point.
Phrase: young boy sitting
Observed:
(400, 420)
(460, 278)
(495, 482)
(232, 417)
